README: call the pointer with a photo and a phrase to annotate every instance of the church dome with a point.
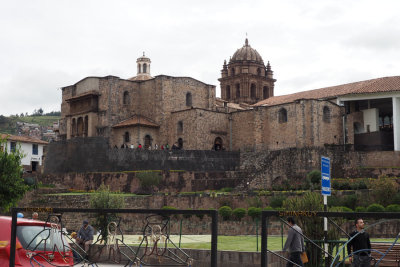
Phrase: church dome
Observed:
(247, 53)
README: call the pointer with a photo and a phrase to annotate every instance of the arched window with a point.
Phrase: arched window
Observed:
(258, 71)
(80, 126)
(73, 127)
(265, 92)
(180, 127)
(144, 68)
(282, 115)
(139, 68)
(228, 92)
(85, 132)
(326, 117)
(126, 137)
(125, 100)
(188, 99)
(237, 90)
(253, 90)
(233, 71)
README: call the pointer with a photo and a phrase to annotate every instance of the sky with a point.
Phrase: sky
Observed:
(48, 44)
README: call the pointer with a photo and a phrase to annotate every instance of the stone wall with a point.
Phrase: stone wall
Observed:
(94, 155)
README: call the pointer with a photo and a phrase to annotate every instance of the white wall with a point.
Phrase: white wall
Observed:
(26, 149)
(371, 118)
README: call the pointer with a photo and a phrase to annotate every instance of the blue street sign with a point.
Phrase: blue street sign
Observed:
(326, 176)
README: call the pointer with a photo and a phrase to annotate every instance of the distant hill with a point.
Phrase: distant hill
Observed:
(10, 124)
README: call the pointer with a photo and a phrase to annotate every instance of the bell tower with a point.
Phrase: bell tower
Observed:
(245, 79)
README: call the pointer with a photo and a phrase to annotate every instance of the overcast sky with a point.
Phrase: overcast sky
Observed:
(46, 45)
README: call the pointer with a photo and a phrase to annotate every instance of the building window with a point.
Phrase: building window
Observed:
(126, 98)
(259, 72)
(144, 68)
(237, 90)
(35, 149)
(253, 91)
(139, 68)
(228, 92)
(265, 92)
(126, 137)
(282, 115)
(189, 99)
(13, 146)
(326, 114)
(180, 127)
(233, 71)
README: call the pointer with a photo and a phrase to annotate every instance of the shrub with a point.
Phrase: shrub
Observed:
(105, 199)
(225, 212)
(362, 185)
(268, 208)
(334, 201)
(277, 202)
(350, 201)
(396, 199)
(254, 202)
(343, 208)
(254, 212)
(149, 179)
(227, 189)
(30, 181)
(344, 186)
(383, 189)
(361, 209)
(393, 208)
(375, 208)
(314, 177)
(239, 213)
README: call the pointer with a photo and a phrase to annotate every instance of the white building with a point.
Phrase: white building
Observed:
(31, 148)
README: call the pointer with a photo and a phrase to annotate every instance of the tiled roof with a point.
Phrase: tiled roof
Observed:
(136, 120)
(23, 139)
(385, 84)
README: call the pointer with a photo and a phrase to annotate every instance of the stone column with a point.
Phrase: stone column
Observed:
(396, 123)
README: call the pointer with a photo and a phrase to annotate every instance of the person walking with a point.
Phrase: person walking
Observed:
(294, 243)
(359, 242)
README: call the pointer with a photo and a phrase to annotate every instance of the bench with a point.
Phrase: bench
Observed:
(392, 258)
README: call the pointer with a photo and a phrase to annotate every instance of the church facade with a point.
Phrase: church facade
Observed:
(185, 112)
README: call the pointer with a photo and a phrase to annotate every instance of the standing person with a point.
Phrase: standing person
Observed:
(360, 242)
(294, 243)
(85, 235)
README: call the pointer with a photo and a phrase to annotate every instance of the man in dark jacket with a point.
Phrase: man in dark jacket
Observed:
(85, 235)
(294, 243)
(359, 242)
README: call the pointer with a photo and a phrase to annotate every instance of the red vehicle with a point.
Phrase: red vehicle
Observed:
(38, 244)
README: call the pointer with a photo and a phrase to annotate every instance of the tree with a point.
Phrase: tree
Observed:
(12, 186)
(105, 199)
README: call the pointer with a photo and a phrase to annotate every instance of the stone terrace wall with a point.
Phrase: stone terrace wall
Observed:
(265, 168)
(94, 155)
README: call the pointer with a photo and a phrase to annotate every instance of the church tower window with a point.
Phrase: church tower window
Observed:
(237, 90)
(188, 99)
(233, 71)
(139, 68)
(282, 115)
(228, 92)
(144, 68)
(265, 92)
(253, 90)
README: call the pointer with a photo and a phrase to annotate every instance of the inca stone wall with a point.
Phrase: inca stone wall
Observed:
(94, 155)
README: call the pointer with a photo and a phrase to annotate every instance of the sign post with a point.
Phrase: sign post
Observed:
(326, 191)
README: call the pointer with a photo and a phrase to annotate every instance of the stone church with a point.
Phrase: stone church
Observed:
(185, 112)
